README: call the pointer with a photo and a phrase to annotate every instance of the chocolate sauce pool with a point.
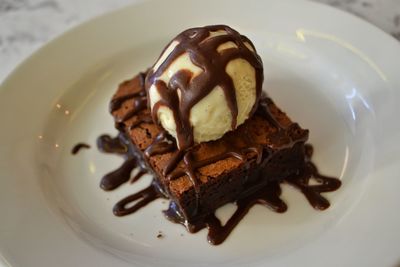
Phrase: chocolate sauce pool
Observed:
(268, 195)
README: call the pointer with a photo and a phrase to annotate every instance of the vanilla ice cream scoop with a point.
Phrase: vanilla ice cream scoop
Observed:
(206, 82)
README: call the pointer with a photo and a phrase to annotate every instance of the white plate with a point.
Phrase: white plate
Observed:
(335, 74)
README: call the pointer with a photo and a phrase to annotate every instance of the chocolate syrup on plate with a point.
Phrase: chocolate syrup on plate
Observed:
(268, 196)
(78, 147)
(117, 145)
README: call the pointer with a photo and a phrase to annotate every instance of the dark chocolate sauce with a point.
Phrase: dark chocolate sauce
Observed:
(203, 53)
(313, 192)
(268, 195)
(120, 176)
(78, 147)
(108, 144)
(142, 198)
(118, 145)
(161, 144)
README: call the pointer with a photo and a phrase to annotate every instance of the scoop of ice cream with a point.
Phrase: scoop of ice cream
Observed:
(206, 82)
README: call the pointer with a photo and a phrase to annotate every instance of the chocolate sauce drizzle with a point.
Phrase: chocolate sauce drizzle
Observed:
(182, 161)
(268, 195)
(78, 147)
(118, 145)
(139, 100)
(142, 198)
(203, 53)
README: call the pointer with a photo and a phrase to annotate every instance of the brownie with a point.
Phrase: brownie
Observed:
(277, 151)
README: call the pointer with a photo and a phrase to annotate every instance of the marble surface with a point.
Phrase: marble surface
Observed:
(25, 25)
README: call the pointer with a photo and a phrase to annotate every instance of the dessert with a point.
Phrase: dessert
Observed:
(198, 122)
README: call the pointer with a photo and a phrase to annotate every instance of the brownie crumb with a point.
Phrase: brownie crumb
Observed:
(160, 235)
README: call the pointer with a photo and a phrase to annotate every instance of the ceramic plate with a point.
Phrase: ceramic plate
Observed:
(333, 73)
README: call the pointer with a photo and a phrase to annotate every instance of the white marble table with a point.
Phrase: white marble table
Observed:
(25, 25)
